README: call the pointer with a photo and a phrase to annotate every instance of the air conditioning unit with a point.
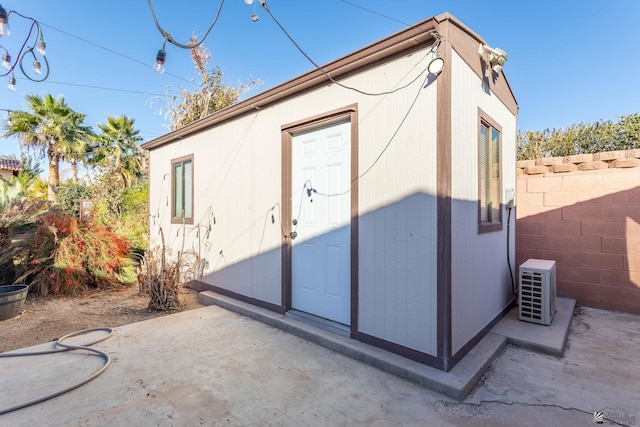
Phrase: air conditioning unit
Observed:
(537, 296)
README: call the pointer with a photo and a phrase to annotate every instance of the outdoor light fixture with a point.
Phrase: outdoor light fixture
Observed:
(436, 65)
(496, 57)
(8, 118)
(35, 37)
(161, 57)
(5, 30)
(6, 61)
(42, 47)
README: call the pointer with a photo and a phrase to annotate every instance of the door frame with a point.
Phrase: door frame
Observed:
(287, 131)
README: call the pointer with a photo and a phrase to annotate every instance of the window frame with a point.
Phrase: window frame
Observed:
(485, 120)
(175, 217)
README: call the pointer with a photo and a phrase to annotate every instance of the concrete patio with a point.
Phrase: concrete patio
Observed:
(212, 366)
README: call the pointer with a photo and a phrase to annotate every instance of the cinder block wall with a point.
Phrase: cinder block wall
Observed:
(584, 212)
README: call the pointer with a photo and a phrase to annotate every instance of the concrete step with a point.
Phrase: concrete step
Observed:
(550, 339)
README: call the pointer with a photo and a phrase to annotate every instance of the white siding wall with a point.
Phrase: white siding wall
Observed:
(238, 175)
(397, 258)
(481, 286)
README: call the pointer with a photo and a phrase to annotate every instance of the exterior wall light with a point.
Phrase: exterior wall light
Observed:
(436, 65)
(496, 57)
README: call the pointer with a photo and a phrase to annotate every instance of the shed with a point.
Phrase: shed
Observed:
(367, 193)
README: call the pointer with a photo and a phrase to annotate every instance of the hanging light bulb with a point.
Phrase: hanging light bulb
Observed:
(161, 57)
(5, 30)
(37, 68)
(254, 17)
(6, 61)
(248, 1)
(12, 84)
(42, 46)
(9, 119)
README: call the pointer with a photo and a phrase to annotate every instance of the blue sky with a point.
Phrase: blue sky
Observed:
(569, 61)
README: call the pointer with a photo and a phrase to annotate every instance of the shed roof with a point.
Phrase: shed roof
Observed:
(404, 40)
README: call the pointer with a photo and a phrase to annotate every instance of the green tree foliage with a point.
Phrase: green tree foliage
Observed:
(134, 224)
(212, 95)
(115, 150)
(581, 139)
(52, 130)
(69, 197)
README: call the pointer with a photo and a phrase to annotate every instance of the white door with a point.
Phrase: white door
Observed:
(321, 205)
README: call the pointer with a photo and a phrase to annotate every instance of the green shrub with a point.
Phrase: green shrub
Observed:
(69, 195)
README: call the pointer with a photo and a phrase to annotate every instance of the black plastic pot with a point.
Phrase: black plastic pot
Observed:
(11, 300)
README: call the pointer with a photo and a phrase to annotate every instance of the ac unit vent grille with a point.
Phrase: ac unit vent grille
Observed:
(537, 295)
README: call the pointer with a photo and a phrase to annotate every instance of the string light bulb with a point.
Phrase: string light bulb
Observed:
(42, 46)
(37, 68)
(161, 57)
(5, 30)
(6, 61)
(32, 45)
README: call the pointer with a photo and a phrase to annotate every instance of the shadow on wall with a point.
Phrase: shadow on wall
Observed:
(397, 272)
(595, 243)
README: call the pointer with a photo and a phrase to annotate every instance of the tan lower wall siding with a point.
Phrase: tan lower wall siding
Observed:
(584, 213)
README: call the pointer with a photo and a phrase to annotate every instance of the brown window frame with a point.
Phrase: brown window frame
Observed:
(177, 218)
(485, 121)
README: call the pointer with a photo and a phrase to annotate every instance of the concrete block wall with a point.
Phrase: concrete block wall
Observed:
(584, 212)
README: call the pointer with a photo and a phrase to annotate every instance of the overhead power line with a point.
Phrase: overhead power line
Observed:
(113, 52)
(374, 12)
(107, 88)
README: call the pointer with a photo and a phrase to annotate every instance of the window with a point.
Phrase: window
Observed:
(489, 176)
(182, 190)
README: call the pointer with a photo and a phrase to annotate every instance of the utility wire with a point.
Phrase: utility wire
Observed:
(374, 12)
(319, 68)
(104, 88)
(170, 39)
(310, 188)
(113, 51)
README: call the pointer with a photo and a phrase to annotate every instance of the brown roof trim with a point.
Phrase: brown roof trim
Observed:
(468, 52)
(389, 46)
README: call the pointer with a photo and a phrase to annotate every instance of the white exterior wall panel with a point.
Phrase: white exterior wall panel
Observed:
(397, 225)
(237, 176)
(481, 286)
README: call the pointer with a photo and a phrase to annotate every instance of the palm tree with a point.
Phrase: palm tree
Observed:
(74, 148)
(51, 129)
(116, 150)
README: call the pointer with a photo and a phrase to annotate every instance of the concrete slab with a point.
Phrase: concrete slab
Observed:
(456, 383)
(551, 339)
(214, 367)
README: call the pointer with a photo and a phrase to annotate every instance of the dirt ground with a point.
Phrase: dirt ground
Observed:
(46, 319)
